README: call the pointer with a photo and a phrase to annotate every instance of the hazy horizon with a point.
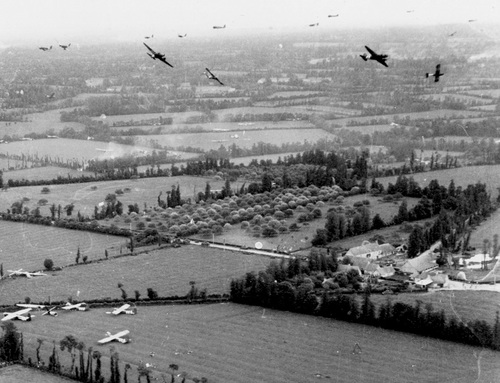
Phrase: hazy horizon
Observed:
(50, 22)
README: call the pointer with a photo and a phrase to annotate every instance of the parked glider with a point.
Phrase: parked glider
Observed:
(27, 274)
(50, 311)
(30, 306)
(123, 310)
(77, 306)
(118, 336)
(436, 74)
(375, 56)
(18, 315)
(157, 55)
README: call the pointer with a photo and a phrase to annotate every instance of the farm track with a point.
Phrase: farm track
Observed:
(211, 340)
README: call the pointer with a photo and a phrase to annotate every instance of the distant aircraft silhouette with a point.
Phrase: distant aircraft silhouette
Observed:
(157, 55)
(452, 34)
(182, 36)
(149, 37)
(472, 20)
(337, 15)
(45, 48)
(314, 25)
(375, 56)
(65, 46)
(51, 95)
(219, 27)
(211, 76)
(436, 74)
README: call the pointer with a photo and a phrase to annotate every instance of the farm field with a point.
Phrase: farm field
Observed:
(369, 129)
(43, 173)
(5, 164)
(486, 108)
(240, 344)
(211, 126)
(493, 93)
(66, 149)
(458, 97)
(440, 113)
(26, 246)
(178, 118)
(20, 374)
(142, 191)
(222, 113)
(463, 305)
(38, 123)
(273, 157)
(294, 93)
(213, 140)
(486, 230)
(168, 271)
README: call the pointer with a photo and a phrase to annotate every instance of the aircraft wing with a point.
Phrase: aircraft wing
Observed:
(150, 49)
(166, 62)
(15, 314)
(382, 61)
(30, 306)
(120, 309)
(371, 52)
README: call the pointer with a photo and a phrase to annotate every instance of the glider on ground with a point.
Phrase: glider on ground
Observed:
(123, 310)
(18, 315)
(118, 336)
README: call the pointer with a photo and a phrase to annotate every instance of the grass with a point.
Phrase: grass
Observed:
(27, 246)
(85, 198)
(177, 117)
(66, 149)
(247, 139)
(168, 271)
(43, 173)
(20, 374)
(38, 123)
(239, 344)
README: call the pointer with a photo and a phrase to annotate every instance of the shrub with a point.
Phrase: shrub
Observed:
(45, 190)
(119, 191)
(152, 294)
(42, 202)
(48, 264)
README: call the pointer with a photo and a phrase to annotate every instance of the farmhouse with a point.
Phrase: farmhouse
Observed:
(424, 262)
(478, 261)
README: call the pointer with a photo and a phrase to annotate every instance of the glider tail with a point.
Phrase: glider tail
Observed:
(427, 75)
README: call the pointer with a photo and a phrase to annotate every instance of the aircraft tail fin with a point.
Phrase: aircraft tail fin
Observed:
(427, 75)
(364, 57)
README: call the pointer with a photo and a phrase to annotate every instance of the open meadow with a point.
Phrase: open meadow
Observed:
(178, 118)
(65, 149)
(26, 246)
(38, 123)
(167, 270)
(246, 139)
(240, 344)
(43, 173)
(85, 196)
(19, 374)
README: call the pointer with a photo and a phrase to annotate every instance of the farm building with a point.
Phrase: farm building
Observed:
(417, 265)
(371, 250)
(378, 271)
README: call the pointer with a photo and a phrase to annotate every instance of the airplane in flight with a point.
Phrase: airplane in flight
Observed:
(149, 37)
(337, 15)
(18, 315)
(375, 56)
(436, 74)
(51, 95)
(157, 55)
(27, 274)
(77, 306)
(45, 49)
(219, 27)
(211, 76)
(123, 310)
(182, 36)
(314, 25)
(118, 336)
(65, 46)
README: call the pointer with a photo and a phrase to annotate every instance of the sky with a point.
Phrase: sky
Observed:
(59, 21)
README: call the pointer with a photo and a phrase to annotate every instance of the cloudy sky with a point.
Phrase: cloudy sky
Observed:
(50, 21)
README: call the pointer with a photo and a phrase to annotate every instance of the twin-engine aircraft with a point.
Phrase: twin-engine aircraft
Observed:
(123, 310)
(18, 315)
(26, 274)
(118, 336)
(157, 55)
(436, 74)
(375, 56)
